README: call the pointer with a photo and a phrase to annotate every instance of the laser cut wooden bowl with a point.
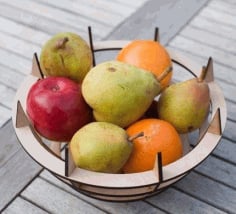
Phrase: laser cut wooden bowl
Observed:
(121, 187)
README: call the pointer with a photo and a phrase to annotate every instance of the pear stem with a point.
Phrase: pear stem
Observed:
(164, 74)
(202, 75)
(61, 43)
(140, 134)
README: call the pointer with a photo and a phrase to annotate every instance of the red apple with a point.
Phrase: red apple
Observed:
(56, 108)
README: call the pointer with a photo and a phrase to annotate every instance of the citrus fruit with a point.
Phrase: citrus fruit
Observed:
(159, 136)
(149, 55)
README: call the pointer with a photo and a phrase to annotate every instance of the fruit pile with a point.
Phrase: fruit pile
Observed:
(109, 114)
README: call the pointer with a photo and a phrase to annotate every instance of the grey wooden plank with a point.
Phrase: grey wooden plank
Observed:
(231, 2)
(226, 149)
(19, 205)
(231, 110)
(6, 95)
(229, 131)
(209, 39)
(106, 5)
(212, 26)
(131, 3)
(157, 14)
(10, 78)
(219, 16)
(20, 64)
(212, 192)
(16, 167)
(22, 31)
(219, 170)
(8, 143)
(223, 6)
(18, 46)
(128, 208)
(81, 7)
(15, 175)
(220, 56)
(174, 201)
(5, 115)
(55, 15)
(39, 22)
(55, 200)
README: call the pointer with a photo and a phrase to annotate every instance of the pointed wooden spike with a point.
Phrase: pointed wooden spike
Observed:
(215, 125)
(91, 44)
(36, 70)
(21, 118)
(209, 71)
(69, 163)
(156, 35)
(56, 148)
(158, 167)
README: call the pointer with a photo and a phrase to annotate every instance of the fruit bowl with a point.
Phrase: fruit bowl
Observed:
(122, 187)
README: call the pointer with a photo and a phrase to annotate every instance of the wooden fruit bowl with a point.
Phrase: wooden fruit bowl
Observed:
(121, 187)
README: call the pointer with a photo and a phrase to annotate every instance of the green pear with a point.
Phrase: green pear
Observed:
(118, 92)
(185, 104)
(101, 147)
(66, 54)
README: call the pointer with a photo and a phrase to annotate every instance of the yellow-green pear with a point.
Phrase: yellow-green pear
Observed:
(185, 104)
(66, 54)
(119, 93)
(101, 147)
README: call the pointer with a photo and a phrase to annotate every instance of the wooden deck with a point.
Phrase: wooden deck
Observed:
(196, 28)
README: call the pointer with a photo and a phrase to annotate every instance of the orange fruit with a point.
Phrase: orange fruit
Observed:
(159, 136)
(149, 55)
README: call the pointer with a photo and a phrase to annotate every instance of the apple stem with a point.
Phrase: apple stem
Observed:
(61, 43)
(164, 74)
(140, 134)
(202, 75)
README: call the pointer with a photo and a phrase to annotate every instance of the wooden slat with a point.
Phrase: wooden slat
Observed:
(22, 31)
(6, 96)
(18, 46)
(229, 131)
(174, 201)
(83, 8)
(10, 78)
(211, 26)
(223, 6)
(129, 208)
(131, 3)
(37, 21)
(106, 5)
(219, 56)
(219, 16)
(219, 170)
(20, 64)
(20, 166)
(55, 15)
(14, 163)
(231, 110)
(226, 150)
(210, 191)
(209, 39)
(56, 200)
(19, 205)
(5, 115)
(160, 13)
(8, 143)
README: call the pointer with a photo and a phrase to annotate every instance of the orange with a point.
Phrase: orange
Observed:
(149, 55)
(159, 136)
